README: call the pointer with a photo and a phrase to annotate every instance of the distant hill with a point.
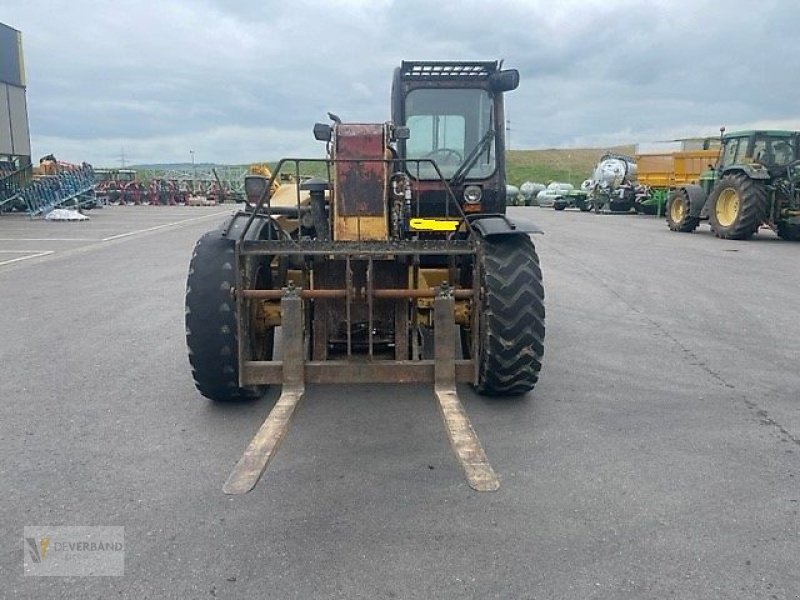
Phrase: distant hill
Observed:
(572, 165)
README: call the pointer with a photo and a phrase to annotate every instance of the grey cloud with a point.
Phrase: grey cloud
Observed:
(246, 80)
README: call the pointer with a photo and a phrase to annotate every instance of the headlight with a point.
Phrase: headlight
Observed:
(472, 194)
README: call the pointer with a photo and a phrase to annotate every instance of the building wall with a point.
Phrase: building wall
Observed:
(14, 130)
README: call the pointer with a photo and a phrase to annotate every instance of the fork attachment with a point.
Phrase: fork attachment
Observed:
(463, 439)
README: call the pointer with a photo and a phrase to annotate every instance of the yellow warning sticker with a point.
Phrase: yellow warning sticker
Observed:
(434, 224)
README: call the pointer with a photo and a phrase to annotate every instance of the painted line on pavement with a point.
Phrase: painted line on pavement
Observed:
(164, 226)
(96, 244)
(37, 255)
(51, 240)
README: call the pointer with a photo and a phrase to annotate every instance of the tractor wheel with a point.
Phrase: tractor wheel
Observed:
(678, 217)
(789, 232)
(511, 321)
(211, 323)
(559, 206)
(738, 207)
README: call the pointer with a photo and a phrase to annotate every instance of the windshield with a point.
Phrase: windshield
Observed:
(774, 151)
(445, 125)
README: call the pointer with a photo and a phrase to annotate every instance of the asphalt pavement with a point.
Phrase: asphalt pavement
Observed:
(658, 456)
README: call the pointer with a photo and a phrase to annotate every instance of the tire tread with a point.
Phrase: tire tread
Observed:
(512, 335)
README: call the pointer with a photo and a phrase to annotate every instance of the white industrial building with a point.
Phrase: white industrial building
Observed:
(15, 141)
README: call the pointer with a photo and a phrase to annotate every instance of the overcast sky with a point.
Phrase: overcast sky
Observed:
(243, 81)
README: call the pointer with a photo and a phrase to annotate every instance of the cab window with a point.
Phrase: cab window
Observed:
(445, 126)
(729, 153)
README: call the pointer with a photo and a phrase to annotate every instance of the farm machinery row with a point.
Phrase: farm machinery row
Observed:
(121, 186)
(52, 184)
(621, 183)
(738, 182)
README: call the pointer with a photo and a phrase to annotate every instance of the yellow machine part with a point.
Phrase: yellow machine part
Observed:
(432, 278)
(435, 224)
(360, 228)
(263, 170)
(689, 165)
(287, 195)
(673, 168)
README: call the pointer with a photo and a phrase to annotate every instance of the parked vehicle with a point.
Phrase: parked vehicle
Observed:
(755, 183)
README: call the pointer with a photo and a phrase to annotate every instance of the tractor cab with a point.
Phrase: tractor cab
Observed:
(453, 118)
(773, 150)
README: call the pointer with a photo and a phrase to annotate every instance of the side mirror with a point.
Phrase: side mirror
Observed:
(322, 132)
(504, 81)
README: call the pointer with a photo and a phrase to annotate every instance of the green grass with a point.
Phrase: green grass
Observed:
(571, 165)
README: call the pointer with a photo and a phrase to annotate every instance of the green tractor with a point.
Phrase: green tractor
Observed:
(755, 182)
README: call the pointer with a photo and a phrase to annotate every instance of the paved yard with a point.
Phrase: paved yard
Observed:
(659, 456)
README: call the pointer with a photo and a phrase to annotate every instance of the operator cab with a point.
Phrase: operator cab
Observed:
(773, 149)
(444, 125)
(453, 114)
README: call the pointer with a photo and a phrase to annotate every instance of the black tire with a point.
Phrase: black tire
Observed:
(738, 207)
(789, 232)
(559, 206)
(511, 321)
(585, 206)
(677, 212)
(211, 321)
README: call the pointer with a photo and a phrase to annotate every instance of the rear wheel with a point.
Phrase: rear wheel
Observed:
(511, 321)
(738, 207)
(211, 320)
(678, 209)
(789, 232)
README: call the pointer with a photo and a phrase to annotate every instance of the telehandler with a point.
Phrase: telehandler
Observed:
(376, 270)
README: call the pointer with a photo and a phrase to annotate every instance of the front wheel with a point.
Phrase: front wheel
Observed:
(211, 320)
(511, 319)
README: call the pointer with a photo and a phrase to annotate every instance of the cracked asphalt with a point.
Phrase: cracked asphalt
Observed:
(659, 455)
